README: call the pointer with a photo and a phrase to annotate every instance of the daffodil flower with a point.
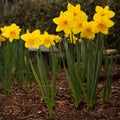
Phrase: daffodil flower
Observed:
(32, 39)
(11, 32)
(102, 25)
(103, 12)
(75, 10)
(88, 30)
(47, 40)
(64, 22)
(57, 38)
(77, 24)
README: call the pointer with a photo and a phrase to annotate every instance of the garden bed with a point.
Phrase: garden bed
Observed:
(28, 104)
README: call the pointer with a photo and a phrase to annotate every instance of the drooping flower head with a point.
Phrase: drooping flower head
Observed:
(11, 32)
(32, 39)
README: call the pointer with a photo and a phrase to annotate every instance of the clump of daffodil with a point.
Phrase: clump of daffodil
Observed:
(35, 39)
(70, 21)
(48, 91)
(1, 39)
(32, 39)
(75, 21)
(11, 32)
(102, 19)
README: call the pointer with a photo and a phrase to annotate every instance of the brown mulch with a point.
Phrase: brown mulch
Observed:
(28, 104)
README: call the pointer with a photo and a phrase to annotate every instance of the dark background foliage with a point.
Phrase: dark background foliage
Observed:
(35, 14)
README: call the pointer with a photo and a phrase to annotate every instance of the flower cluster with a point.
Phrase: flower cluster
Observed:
(75, 21)
(33, 39)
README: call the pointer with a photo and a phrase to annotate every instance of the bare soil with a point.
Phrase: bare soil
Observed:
(28, 104)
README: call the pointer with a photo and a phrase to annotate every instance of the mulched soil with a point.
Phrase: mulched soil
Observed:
(28, 104)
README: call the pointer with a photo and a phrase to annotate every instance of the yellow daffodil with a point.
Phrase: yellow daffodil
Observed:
(32, 39)
(88, 30)
(1, 39)
(103, 12)
(64, 22)
(4, 31)
(75, 10)
(77, 24)
(57, 38)
(11, 32)
(102, 25)
(47, 40)
(78, 17)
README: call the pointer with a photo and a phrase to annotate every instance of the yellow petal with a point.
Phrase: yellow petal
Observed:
(106, 8)
(105, 31)
(98, 9)
(55, 20)
(78, 6)
(69, 6)
(110, 23)
(110, 14)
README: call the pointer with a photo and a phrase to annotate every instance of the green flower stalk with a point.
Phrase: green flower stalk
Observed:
(72, 71)
(107, 85)
(23, 70)
(93, 53)
(47, 88)
(8, 70)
